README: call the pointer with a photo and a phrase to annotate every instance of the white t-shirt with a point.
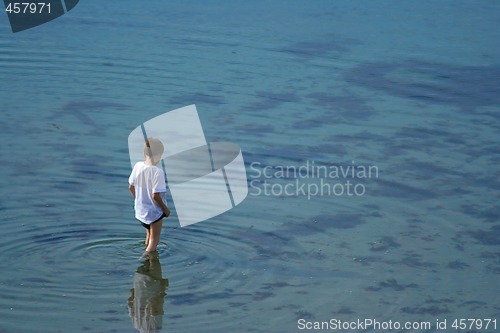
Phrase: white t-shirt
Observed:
(147, 179)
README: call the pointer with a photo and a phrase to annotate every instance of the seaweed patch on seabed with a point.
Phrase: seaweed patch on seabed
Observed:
(457, 264)
(69, 185)
(304, 314)
(331, 46)
(81, 110)
(330, 148)
(344, 310)
(91, 167)
(378, 143)
(384, 244)
(428, 170)
(394, 189)
(474, 305)
(197, 99)
(269, 100)
(486, 182)
(465, 87)
(276, 285)
(321, 223)
(287, 306)
(431, 135)
(345, 108)
(487, 237)
(494, 265)
(360, 137)
(255, 128)
(489, 215)
(261, 295)
(412, 259)
(391, 284)
(307, 124)
(435, 308)
(268, 245)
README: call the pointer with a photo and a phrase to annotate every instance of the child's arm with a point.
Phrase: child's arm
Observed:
(159, 201)
(132, 190)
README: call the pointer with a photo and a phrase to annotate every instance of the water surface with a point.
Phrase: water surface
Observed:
(411, 88)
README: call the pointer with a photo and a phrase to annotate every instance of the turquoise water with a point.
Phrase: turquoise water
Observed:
(409, 87)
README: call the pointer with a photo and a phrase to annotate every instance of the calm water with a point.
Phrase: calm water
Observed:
(409, 87)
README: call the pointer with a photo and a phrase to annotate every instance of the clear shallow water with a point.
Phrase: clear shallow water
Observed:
(411, 89)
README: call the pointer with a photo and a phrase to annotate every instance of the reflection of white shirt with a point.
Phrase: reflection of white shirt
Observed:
(147, 179)
(146, 314)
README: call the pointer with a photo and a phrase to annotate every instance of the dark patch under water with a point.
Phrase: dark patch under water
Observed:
(486, 237)
(360, 137)
(490, 214)
(261, 295)
(276, 285)
(457, 264)
(428, 169)
(367, 260)
(466, 87)
(323, 222)
(348, 107)
(412, 259)
(393, 189)
(344, 310)
(92, 167)
(92, 105)
(431, 306)
(433, 310)
(474, 305)
(304, 315)
(384, 244)
(69, 186)
(81, 109)
(188, 99)
(436, 134)
(255, 128)
(270, 100)
(330, 45)
(391, 284)
(307, 124)
(268, 245)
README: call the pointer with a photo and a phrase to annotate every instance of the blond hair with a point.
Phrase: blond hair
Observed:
(153, 148)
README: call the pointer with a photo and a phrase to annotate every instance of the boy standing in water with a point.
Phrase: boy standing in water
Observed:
(147, 185)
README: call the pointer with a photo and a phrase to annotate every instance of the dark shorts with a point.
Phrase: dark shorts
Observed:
(148, 226)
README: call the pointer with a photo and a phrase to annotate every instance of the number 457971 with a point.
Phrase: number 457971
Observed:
(27, 7)
(477, 324)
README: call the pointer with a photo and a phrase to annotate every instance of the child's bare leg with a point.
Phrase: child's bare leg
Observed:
(147, 237)
(154, 236)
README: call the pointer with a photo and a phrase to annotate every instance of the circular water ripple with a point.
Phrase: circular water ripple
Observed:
(79, 274)
(126, 248)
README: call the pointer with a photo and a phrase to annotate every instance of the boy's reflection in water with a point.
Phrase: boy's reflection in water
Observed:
(145, 303)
